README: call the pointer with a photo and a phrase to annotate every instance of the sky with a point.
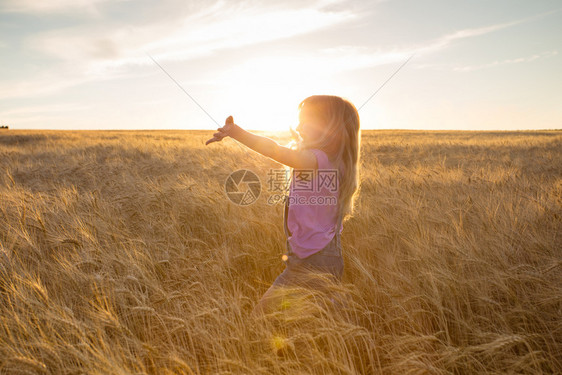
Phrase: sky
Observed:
(88, 64)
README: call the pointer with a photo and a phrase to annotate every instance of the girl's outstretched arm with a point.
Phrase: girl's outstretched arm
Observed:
(297, 159)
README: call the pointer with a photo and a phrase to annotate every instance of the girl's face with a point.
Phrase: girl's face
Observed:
(310, 125)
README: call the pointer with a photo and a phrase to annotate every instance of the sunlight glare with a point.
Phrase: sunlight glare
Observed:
(263, 94)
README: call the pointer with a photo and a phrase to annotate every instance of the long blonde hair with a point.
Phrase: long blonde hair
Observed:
(341, 141)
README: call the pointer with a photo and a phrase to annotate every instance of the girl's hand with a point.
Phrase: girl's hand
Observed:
(225, 131)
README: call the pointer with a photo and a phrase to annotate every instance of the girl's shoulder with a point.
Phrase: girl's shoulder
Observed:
(322, 159)
(324, 162)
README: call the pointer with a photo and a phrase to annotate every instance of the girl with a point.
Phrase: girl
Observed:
(324, 187)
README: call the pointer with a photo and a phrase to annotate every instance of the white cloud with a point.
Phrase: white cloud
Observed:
(350, 57)
(446, 40)
(50, 6)
(248, 27)
(95, 52)
(198, 35)
(470, 68)
(308, 67)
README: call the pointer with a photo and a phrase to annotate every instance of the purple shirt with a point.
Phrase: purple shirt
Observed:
(313, 198)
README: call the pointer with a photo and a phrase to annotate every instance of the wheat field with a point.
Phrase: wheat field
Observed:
(121, 254)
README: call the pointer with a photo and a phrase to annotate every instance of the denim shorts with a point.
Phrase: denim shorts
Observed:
(328, 261)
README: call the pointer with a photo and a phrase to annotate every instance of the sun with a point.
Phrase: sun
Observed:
(264, 93)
